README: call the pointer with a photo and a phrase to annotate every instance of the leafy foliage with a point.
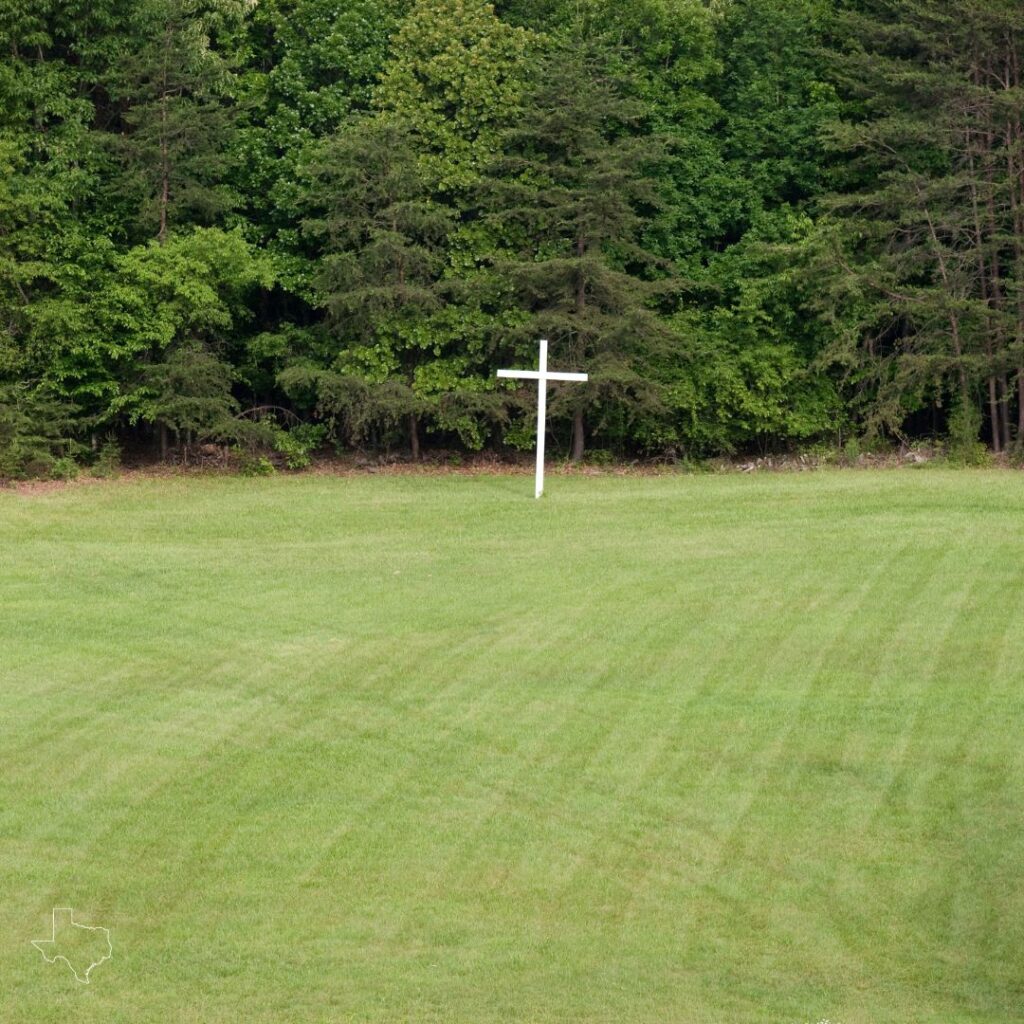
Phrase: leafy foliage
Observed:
(756, 223)
(923, 253)
(567, 194)
(33, 432)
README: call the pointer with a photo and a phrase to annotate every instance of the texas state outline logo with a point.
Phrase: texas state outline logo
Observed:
(82, 947)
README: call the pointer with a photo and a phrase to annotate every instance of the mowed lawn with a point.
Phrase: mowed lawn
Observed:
(722, 749)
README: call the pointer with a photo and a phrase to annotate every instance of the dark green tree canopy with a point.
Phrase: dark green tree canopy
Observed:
(757, 224)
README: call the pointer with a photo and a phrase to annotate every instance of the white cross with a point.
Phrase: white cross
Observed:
(542, 377)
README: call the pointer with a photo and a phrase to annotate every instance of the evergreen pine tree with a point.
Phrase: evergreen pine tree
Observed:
(178, 116)
(383, 238)
(925, 237)
(570, 192)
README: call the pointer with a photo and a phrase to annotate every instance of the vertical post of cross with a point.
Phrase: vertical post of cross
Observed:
(542, 417)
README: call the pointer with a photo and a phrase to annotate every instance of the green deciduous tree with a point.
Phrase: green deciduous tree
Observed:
(137, 309)
(455, 79)
(46, 170)
(311, 64)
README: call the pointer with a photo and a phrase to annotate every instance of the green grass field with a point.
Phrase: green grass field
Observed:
(718, 749)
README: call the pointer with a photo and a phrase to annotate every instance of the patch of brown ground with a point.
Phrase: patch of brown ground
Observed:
(459, 464)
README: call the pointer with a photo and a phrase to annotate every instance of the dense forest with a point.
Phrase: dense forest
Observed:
(283, 225)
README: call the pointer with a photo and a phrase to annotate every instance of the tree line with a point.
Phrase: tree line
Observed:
(756, 224)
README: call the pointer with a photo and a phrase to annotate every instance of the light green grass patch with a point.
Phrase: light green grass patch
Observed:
(697, 749)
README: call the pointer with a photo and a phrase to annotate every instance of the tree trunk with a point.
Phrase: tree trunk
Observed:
(988, 276)
(578, 436)
(165, 194)
(1004, 408)
(163, 442)
(165, 166)
(954, 318)
(581, 281)
(993, 415)
(414, 437)
(1014, 136)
